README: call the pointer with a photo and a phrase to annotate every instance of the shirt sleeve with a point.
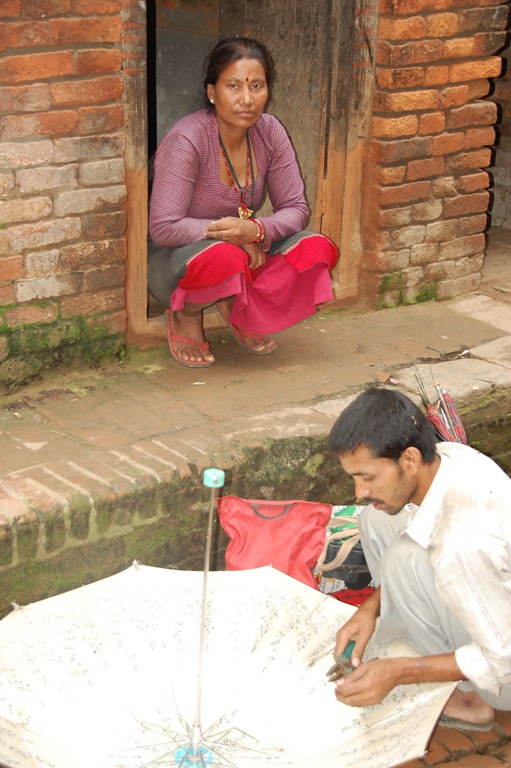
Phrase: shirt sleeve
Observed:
(176, 169)
(285, 189)
(476, 587)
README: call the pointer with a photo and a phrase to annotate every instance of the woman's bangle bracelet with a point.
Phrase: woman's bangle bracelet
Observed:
(260, 232)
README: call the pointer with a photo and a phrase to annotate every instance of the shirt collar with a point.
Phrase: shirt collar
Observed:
(421, 526)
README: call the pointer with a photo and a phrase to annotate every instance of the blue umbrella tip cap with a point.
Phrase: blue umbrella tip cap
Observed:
(214, 478)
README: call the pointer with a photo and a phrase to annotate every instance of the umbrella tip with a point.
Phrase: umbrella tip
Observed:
(213, 478)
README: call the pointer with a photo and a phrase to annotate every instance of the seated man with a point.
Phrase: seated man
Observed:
(437, 539)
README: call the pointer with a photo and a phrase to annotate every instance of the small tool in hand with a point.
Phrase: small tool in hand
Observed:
(342, 664)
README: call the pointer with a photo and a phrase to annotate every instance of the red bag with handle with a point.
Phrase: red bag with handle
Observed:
(288, 535)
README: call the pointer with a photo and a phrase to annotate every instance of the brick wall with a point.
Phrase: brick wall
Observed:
(427, 195)
(62, 193)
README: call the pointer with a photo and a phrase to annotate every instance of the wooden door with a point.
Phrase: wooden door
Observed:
(323, 54)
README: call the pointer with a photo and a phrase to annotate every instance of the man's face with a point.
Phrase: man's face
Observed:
(385, 483)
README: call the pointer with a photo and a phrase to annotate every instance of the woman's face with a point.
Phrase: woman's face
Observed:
(239, 94)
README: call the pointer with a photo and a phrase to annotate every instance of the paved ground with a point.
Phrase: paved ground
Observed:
(149, 414)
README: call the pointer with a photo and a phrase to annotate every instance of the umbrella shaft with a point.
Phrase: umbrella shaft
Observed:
(207, 559)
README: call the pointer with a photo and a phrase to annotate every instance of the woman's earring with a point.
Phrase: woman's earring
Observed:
(212, 101)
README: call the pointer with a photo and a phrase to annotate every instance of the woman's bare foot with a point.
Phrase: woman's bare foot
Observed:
(470, 707)
(258, 344)
(187, 342)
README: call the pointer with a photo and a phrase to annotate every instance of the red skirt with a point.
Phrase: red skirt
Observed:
(288, 288)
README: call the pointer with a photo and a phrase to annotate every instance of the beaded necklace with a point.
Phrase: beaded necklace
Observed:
(244, 212)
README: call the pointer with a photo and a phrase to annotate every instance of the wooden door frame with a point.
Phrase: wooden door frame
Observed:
(347, 126)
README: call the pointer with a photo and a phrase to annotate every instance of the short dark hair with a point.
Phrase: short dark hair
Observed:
(385, 421)
(232, 49)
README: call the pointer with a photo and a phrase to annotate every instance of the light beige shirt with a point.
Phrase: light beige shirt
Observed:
(465, 522)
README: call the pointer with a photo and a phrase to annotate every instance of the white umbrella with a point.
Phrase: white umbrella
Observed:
(105, 675)
(153, 667)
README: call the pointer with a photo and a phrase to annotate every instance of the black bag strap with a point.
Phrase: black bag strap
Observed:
(255, 507)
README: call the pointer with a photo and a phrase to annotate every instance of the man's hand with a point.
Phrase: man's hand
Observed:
(359, 628)
(368, 684)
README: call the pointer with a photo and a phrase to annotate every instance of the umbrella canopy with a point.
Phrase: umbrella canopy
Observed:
(105, 676)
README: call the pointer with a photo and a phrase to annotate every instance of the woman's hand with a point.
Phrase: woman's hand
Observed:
(230, 229)
(256, 257)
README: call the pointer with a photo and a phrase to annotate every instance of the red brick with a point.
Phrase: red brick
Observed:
(92, 303)
(423, 169)
(487, 43)
(25, 98)
(102, 225)
(395, 126)
(97, 61)
(446, 143)
(7, 294)
(465, 161)
(480, 113)
(432, 122)
(30, 180)
(477, 202)
(42, 9)
(106, 277)
(32, 314)
(27, 34)
(412, 28)
(450, 229)
(86, 30)
(473, 181)
(390, 175)
(11, 268)
(45, 124)
(474, 70)
(11, 8)
(463, 246)
(413, 6)
(479, 89)
(479, 137)
(404, 77)
(479, 761)
(96, 7)
(441, 24)
(18, 154)
(455, 96)
(407, 101)
(83, 255)
(29, 209)
(43, 233)
(87, 91)
(417, 52)
(37, 66)
(406, 149)
(100, 119)
(475, 19)
(406, 193)
(436, 75)
(458, 48)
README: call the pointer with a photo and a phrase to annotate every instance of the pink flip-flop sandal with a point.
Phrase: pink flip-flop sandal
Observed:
(173, 338)
(240, 336)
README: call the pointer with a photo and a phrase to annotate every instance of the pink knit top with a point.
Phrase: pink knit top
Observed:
(187, 192)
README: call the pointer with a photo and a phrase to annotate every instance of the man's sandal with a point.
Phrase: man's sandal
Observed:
(174, 339)
(263, 340)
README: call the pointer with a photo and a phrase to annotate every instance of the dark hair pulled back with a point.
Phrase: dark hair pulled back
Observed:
(232, 49)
